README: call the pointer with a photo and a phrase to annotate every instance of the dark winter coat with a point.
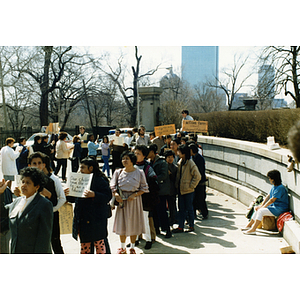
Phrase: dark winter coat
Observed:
(90, 214)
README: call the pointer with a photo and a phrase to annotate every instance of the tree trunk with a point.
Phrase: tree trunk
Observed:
(44, 86)
(295, 75)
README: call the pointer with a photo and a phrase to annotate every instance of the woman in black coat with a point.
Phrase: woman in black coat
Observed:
(31, 216)
(91, 212)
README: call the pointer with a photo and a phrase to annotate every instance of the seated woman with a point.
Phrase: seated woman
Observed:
(31, 215)
(276, 203)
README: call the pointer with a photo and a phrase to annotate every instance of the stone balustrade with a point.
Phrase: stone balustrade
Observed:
(239, 169)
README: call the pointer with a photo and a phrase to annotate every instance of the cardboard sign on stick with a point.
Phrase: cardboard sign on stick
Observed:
(164, 130)
(66, 218)
(195, 126)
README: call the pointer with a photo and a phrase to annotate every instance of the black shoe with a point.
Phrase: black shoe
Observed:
(148, 245)
(177, 230)
(168, 235)
(136, 243)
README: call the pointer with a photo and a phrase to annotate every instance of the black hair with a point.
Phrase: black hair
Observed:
(131, 156)
(184, 149)
(37, 154)
(47, 162)
(275, 175)
(130, 132)
(143, 149)
(105, 137)
(153, 147)
(21, 139)
(168, 136)
(89, 136)
(185, 112)
(62, 135)
(169, 153)
(177, 141)
(193, 147)
(36, 175)
(36, 138)
(184, 138)
(90, 162)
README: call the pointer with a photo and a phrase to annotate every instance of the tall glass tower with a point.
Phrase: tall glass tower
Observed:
(200, 64)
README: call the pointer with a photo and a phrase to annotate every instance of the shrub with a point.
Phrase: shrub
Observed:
(253, 126)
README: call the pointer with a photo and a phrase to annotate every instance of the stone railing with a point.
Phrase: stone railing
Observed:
(238, 169)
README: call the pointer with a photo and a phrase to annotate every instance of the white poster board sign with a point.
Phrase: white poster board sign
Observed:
(78, 183)
(118, 140)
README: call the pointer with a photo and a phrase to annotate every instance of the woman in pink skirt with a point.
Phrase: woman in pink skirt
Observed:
(127, 186)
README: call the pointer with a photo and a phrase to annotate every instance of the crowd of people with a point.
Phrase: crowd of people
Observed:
(147, 177)
(157, 184)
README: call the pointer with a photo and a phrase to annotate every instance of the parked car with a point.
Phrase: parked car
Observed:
(30, 141)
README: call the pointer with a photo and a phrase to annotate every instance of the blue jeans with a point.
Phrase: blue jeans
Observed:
(106, 164)
(185, 205)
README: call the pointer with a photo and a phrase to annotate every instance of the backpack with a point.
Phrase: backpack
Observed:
(254, 203)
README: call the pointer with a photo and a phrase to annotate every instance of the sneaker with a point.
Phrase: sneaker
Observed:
(132, 251)
(177, 230)
(121, 251)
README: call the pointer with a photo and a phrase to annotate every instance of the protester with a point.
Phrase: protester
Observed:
(159, 142)
(199, 202)
(37, 144)
(91, 211)
(75, 160)
(171, 199)
(31, 216)
(166, 146)
(128, 138)
(92, 146)
(130, 183)
(62, 154)
(151, 198)
(83, 135)
(117, 150)
(5, 199)
(105, 155)
(22, 159)
(275, 203)
(143, 138)
(160, 167)
(174, 146)
(187, 179)
(8, 158)
(152, 135)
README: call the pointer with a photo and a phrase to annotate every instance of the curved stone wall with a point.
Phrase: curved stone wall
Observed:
(239, 168)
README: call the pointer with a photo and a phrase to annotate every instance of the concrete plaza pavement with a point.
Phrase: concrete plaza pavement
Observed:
(219, 234)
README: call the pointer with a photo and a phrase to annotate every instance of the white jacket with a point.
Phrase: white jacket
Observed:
(8, 158)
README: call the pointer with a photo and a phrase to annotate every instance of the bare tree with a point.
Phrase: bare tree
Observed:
(286, 61)
(231, 84)
(206, 99)
(129, 94)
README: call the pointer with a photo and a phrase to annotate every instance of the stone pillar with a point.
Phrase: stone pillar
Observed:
(150, 106)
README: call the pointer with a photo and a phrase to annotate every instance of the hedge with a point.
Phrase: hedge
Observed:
(253, 126)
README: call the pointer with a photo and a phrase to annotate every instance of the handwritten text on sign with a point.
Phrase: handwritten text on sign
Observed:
(78, 183)
(164, 130)
(195, 126)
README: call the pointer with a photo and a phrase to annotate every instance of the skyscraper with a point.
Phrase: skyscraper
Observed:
(200, 64)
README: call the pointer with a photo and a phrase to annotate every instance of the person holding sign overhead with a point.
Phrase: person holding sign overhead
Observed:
(91, 210)
(185, 116)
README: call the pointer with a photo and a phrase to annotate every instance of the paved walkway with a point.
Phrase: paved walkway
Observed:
(219, 234)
